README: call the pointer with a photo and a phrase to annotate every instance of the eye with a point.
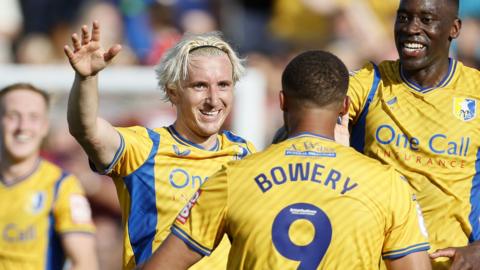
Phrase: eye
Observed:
(224, 84)
(427, 20)
(199, 85)
(402, 18)
(34, 117)
(12, 115)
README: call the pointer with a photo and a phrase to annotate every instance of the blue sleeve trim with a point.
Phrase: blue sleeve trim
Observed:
(358, 130)
(395, 254)
(114, 161)
(192, 244)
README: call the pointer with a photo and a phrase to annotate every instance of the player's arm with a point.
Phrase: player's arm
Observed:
(80, 249)
(97, 137)
(173, 254)
(406, 240)
(413, 261)
(192, 237)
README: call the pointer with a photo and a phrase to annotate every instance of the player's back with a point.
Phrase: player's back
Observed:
(313, 202)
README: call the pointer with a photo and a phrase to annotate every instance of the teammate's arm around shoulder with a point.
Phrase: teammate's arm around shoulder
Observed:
(97, 137)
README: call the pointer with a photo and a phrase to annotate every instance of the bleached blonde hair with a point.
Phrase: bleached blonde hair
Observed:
(173, 67)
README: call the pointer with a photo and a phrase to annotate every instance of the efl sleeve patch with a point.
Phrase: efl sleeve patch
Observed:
(185, 213)
(80, 209)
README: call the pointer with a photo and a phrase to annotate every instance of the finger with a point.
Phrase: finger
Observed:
(68, 52)
(76, 42)
(112, 52)
(85, 35)
(95, 31)
(446, 252)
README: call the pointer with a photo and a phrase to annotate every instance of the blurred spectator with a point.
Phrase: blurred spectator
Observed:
(164, 33)
(195, 16)
(109, 16)
(246, 23)
(10, 25)
(467, 46)
(50, 17)
(29, 47)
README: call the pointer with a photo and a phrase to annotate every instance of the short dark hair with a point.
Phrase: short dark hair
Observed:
(315, 78)
(27, 86)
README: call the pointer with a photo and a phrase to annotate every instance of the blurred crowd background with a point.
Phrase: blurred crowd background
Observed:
(265, 32)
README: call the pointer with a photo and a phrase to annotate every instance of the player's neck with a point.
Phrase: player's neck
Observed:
(14, 171)
(314, 121)
(206, 142)
(429, 76)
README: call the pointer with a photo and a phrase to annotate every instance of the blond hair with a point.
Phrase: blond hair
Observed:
(173, 67)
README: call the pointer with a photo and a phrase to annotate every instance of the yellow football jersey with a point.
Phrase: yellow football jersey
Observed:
(432, 136)
(305, 203)
(35, 212)
(156, 172)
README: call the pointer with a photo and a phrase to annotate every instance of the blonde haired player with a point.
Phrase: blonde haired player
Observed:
(157, 170)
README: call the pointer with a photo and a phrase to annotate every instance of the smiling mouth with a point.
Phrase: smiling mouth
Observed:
(413, 47)
(22, 138)
(210, 113)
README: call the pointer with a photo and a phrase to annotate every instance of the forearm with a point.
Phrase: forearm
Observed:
(96, 136)
(81, 251)
(83, 108)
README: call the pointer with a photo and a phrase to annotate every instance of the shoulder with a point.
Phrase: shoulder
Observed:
(229, 138)
(468, 71)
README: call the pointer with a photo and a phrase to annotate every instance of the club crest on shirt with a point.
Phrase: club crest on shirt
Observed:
(179, 152)
(36, 203)
(464, 109)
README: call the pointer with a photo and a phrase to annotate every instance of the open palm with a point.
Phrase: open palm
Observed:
(88, 57)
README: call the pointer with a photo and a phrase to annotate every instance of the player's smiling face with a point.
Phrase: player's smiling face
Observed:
(423, 30)
(24, 124)
(205, 98)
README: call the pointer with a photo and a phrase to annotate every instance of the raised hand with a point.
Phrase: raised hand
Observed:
(88, 57)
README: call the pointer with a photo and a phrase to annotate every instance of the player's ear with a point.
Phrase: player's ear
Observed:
(172, 95)
(345, 106)
(455, 29)
(281, 97)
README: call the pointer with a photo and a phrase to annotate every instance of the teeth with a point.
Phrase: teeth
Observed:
(414, 46)
(210, 113)
(22, 138)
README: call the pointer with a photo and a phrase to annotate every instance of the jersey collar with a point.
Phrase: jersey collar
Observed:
(310, 134)
(452, 65)
(180, 139)
(21, 179)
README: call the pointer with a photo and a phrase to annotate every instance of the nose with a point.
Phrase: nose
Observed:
(412, 26)
(213, 96)
(22, 123)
